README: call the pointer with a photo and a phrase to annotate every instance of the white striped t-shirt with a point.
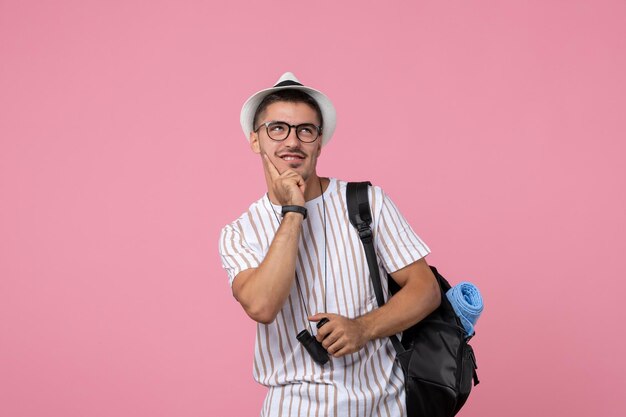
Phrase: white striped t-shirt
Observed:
(366, 383)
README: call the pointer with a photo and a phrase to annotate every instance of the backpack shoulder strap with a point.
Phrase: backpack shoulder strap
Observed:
(360, 216)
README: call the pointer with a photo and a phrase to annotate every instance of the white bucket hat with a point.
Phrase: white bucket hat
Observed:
(289, 81)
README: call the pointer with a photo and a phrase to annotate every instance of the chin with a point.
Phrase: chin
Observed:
(300, 171)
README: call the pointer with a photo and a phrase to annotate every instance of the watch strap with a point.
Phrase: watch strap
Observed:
(295, 209)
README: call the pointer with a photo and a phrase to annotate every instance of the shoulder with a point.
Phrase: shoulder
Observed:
(376, 195)
(374, 191)
(247, 218)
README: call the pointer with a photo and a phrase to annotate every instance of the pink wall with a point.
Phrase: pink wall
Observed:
(121, 157)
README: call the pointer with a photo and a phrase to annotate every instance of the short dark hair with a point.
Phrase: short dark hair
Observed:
(290, 96)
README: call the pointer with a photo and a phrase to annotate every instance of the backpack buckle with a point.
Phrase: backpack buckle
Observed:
(365, 233)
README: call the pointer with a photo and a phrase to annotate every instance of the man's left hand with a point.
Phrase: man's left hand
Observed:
(341, 335)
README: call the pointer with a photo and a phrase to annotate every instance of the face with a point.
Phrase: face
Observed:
(290, 153)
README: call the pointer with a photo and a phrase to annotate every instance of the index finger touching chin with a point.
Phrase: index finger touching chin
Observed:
(270, 166)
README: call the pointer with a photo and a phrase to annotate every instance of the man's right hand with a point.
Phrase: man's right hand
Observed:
(288, 188)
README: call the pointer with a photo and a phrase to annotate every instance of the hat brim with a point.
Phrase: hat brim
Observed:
(326, 106)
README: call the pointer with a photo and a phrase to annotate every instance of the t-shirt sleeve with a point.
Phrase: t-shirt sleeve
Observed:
(397, 244)
(236, 253)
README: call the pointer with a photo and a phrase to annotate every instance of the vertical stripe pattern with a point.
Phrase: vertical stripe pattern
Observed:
(366, 383)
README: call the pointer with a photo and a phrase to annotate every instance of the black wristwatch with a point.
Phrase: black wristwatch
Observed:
(296, 209)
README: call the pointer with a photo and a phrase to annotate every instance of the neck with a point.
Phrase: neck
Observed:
(315, 186)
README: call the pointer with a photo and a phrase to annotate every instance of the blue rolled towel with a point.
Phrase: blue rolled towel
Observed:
(467, 304)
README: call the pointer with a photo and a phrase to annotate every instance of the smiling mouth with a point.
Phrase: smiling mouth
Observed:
(291, 158)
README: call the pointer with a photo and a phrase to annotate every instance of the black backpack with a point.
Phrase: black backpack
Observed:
(438, 363)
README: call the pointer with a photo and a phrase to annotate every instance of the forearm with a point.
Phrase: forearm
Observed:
(263, 291)
(416, 300)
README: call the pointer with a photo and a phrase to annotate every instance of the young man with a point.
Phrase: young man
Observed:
(293, 260)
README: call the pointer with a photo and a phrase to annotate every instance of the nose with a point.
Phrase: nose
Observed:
(292, 140)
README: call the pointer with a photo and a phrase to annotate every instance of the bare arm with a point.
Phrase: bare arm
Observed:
(262, 291)
(418, 297)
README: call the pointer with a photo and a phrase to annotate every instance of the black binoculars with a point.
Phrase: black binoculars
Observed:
(315, 348)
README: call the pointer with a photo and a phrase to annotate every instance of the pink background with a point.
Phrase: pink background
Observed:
(497, 127)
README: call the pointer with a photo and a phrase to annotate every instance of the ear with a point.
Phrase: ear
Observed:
(254, 143)
(319, 148)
